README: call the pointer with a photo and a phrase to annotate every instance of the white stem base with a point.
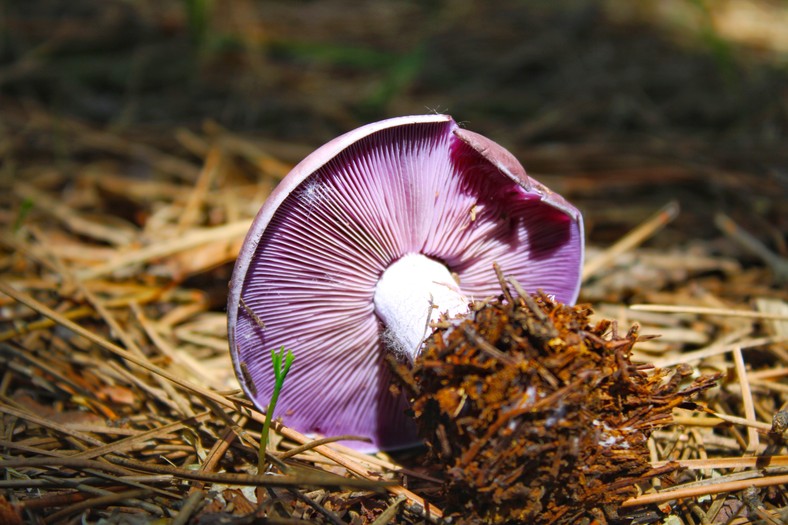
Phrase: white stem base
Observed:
(412, 292)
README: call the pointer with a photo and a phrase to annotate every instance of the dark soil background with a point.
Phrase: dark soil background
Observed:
(621, 105)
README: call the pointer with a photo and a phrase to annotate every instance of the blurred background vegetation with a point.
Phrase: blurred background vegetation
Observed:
(622, 105)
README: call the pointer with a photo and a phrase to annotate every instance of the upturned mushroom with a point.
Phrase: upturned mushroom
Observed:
(364, 243)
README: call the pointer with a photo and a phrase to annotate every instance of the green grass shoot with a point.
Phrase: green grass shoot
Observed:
(24, 210)
(280, 372)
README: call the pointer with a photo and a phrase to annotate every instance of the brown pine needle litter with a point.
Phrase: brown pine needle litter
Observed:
(118, 403)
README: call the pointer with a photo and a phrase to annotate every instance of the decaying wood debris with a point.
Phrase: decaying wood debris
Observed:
(537, 416)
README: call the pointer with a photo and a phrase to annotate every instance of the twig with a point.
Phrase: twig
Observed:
(726, 463)
(210, 169)
(746, 395)
(220, 447)
(48, 423)
(779, 265)
(52, 482)
(42, 324)
(72, 219)
(118, 465)
(702, 310)
(715, 349)
(486, 347)
(391, 512)
(95, 491)
(330, 516)
(317, 442)
(681, 493)
(61, 461)
(740, 421)
(631, 240)
(186, 361)
(192, 239)
(189, 507)
(502, 283)
(93, 503)
(130, 442)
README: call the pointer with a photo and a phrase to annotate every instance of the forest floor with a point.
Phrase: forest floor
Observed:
(139, 139)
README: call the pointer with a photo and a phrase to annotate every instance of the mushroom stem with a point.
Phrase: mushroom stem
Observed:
(412, 292)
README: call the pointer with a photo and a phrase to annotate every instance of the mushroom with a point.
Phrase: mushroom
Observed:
(364, 243)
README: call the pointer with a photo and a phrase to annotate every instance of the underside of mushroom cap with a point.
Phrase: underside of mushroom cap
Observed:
(309, 266)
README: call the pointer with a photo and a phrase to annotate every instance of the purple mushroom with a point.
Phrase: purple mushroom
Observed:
(365, 242)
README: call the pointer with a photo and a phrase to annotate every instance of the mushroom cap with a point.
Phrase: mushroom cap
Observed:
(310, 262)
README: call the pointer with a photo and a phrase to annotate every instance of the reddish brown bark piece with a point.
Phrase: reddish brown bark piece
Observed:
(536, 416)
